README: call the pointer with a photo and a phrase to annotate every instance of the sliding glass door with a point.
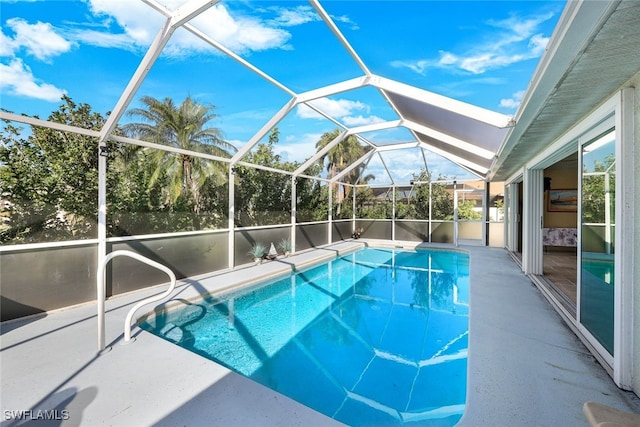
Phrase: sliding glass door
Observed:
(597, 244)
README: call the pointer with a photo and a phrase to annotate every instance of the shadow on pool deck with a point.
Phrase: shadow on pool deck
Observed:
(525, 366)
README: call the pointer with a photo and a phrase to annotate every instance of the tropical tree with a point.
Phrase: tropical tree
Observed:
(418, 206)
(341, 155)
(312, 198)
(338, 159)
(49, 178)
(181, 126)
(264, 197)
(466, 210)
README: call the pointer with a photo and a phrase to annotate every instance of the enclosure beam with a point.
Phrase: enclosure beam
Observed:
(5, 115)
(330, 216)
(168, 148)
(320, 153)
(393, 213)
(232, 219)
(399, 146)
(353, 209)
(332, 89)
(263, 131)
(375, 127)
(352, 166)
(485, 213)
(424, 158)
(334, 29)
(294, 214)
(430, 210)
(384, 164)
(179, 17)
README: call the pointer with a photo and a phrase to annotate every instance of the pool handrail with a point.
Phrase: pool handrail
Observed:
(101, 293)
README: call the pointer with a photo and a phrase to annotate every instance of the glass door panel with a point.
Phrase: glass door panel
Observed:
(597, 245)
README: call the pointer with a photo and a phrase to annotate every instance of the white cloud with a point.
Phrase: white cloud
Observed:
(517, 40)
(538, 44)
(298, 148)
(420, 66)
(102, 39)
(39, 40)
(18, 79)
(234, 31)
(292, 17)
(447, 58)
(7, 46)
(335, 108)
(513, 102)
(138, 21)
(361, 120)
(340, 109)
(518, 29)
(346, 20)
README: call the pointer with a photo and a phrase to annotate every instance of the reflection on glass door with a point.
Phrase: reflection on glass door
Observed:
(597, 245)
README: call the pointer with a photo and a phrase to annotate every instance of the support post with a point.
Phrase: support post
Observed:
(353, 211)
(294, 213)
(231, 247)
(330, 215)
(393, 213)
(102, 238)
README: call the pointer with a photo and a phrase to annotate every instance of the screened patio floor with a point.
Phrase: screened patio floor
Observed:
(525, 366)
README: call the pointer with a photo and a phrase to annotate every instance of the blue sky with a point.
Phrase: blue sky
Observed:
(483, 53)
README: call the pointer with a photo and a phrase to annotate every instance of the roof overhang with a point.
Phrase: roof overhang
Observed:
(592, 53)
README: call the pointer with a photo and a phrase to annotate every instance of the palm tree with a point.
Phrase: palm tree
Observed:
(183, 126)
(340, 157)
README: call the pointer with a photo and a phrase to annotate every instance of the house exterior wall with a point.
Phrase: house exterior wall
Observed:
(635, 82)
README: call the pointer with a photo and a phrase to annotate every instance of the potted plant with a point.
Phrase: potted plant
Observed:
(285, 246)
(257, 252)
(356, 234)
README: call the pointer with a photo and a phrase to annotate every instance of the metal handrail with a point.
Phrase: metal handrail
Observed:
(101, 293)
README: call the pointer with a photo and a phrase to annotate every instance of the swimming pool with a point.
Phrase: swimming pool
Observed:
(378, 336)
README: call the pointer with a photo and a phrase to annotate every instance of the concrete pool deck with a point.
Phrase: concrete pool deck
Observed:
(525, 366)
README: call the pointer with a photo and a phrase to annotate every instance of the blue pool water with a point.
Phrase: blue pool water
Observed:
(376, 337)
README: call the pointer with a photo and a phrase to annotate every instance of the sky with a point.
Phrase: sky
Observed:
(483, 53)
